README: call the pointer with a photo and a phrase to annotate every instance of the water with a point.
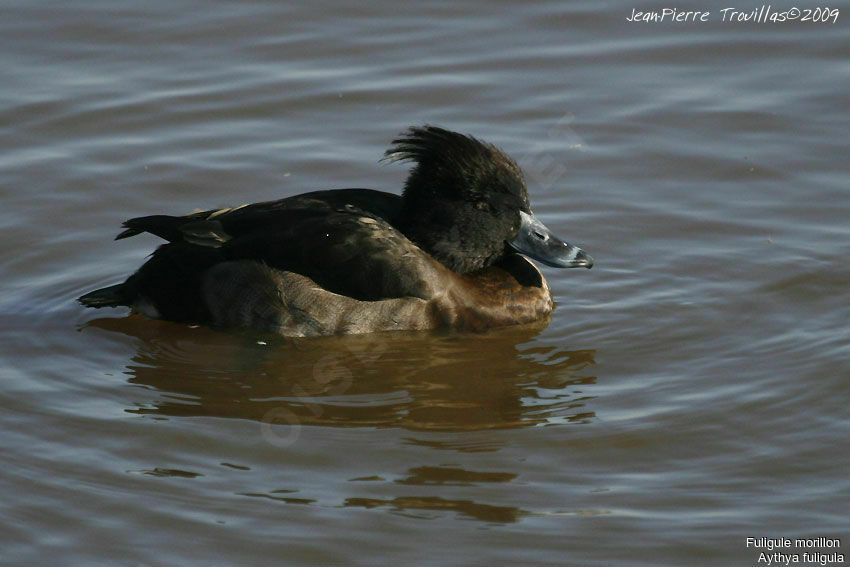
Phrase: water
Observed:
(689, 392)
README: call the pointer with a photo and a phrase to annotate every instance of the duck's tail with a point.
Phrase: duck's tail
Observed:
(112, 296)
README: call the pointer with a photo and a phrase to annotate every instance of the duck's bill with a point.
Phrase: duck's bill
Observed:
(537, 242)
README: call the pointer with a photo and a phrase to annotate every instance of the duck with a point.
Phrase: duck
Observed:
(453, 251)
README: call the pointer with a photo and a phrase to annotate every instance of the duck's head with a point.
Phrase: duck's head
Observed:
(466, 203)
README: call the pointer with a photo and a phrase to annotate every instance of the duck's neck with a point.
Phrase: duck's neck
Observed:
(513, 292)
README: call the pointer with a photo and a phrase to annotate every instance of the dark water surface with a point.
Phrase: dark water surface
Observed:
(691, 390)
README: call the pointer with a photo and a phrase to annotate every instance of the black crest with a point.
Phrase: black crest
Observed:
(456, 166)
(462, 199)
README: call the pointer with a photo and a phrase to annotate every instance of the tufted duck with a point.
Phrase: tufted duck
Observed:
(444, 254)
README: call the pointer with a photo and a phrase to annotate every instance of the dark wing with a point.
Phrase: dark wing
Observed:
(349, 252)
(343, 240)
(215, 226)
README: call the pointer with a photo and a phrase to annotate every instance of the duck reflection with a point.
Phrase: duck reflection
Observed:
(419, 381)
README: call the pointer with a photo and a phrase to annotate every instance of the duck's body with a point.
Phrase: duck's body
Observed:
(359, 260)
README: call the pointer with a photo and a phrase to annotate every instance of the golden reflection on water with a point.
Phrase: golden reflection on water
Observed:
(418, 381)
(421, 382)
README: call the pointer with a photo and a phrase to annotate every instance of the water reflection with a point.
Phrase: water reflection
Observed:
(450, 476)
(419, 381)
(468, 508)
(275, 495)
(424, 506)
